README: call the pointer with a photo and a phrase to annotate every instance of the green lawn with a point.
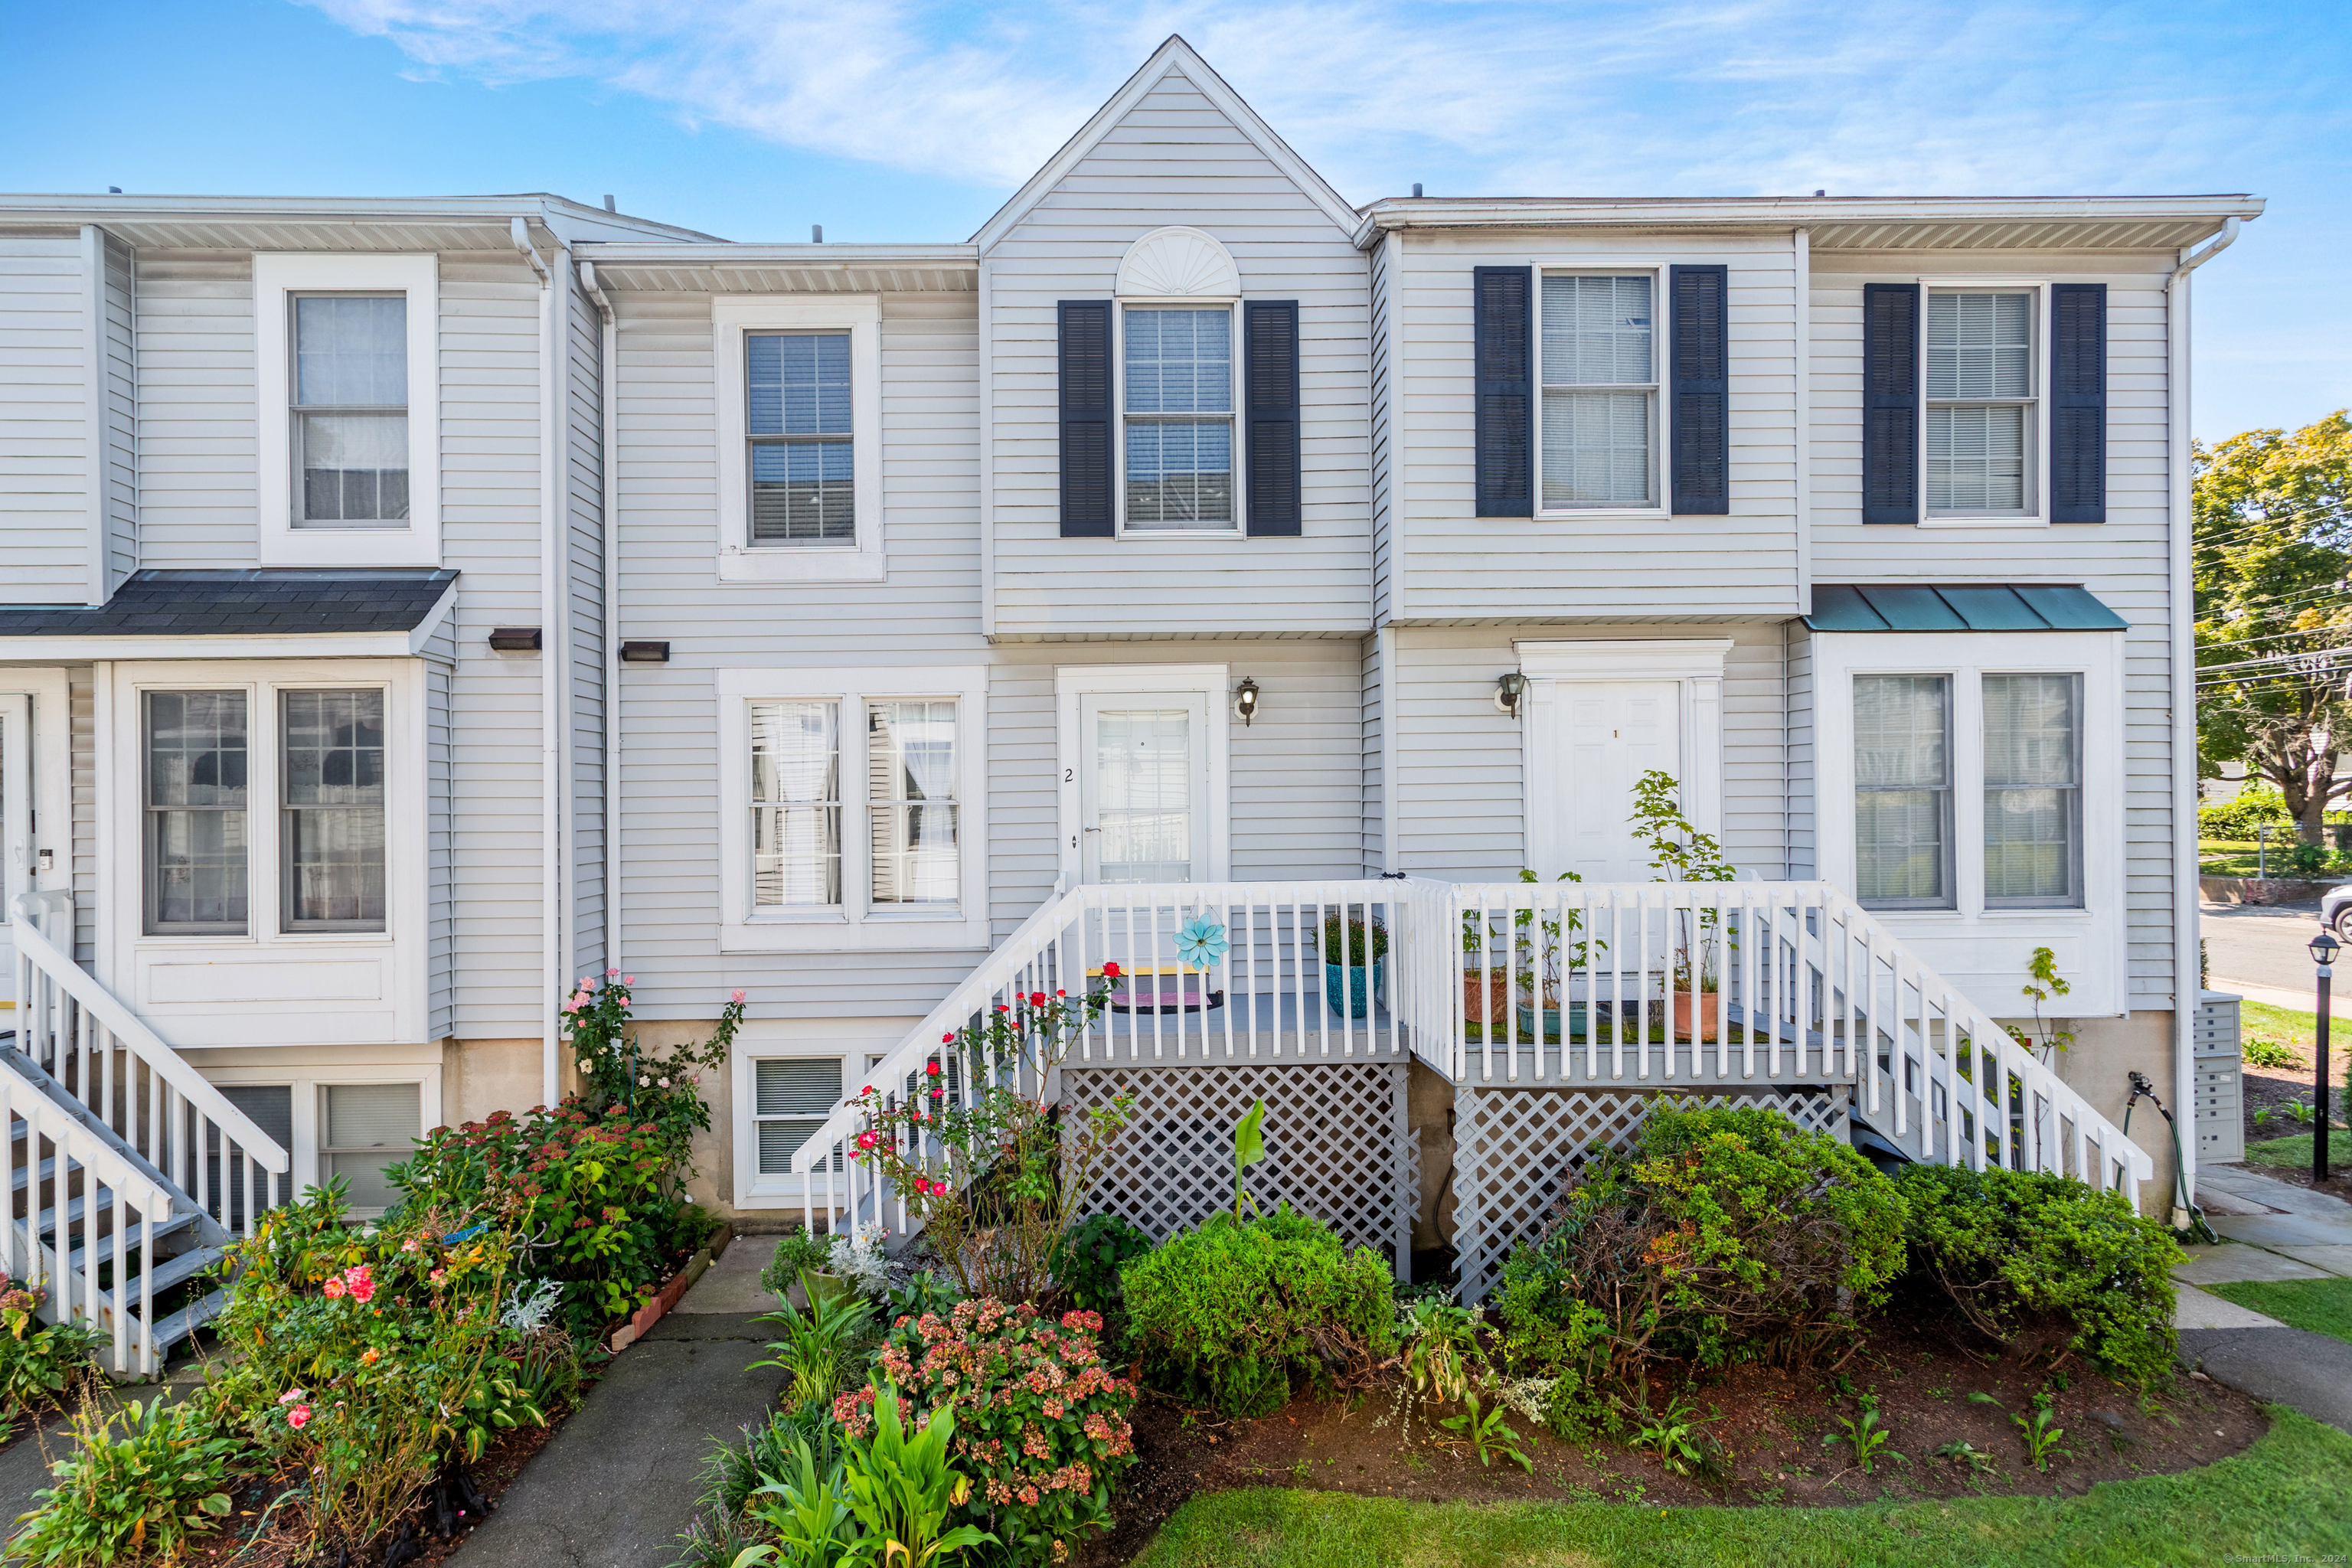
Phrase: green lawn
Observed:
(2295, 1152)
(2323, 1306)
(2243, 858)
(2259, 1020)
(2282, 1499)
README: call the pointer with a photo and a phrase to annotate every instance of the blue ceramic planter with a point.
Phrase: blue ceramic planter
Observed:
(1358, 1003)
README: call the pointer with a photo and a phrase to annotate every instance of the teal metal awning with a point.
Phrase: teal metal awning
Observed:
(1958, 608)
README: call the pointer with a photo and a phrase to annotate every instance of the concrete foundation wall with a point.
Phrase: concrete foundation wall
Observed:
(2096, 1067)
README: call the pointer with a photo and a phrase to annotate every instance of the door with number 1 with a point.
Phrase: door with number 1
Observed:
(1592, 740)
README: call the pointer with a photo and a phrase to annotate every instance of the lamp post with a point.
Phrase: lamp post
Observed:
(2323, 953)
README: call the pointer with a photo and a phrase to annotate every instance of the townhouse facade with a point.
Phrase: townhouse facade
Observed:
(413, 606)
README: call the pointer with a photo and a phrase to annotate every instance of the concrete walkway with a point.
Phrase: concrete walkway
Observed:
(2269, 1230)
(620, 1481)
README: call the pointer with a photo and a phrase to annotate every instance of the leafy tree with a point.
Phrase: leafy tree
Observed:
(2272, 553)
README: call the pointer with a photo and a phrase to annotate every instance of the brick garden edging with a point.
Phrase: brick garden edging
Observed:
(653, 1312)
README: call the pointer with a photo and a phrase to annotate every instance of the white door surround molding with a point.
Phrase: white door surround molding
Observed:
(1695, 665)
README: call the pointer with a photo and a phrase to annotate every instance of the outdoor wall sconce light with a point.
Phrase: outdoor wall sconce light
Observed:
(515, 639)
(1245, 700)
(1507, 690)
(644, 653)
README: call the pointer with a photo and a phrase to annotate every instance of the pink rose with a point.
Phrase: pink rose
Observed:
(298, 1417)
(628, 980)
(334, 1289)
(737, 998)
(611, 972)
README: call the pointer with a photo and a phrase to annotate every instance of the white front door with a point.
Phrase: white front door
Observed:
(1143, 786)
(1588, 743)
(31, 782)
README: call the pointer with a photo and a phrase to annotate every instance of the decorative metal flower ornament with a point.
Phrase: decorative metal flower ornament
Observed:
(1202, 942)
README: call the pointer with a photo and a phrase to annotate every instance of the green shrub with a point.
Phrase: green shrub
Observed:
(797, 1253)
(133, 1485)
(603, 1192)
(2236, 818)
(1729, 1233)
(38, 1363)
(1231, 1315)
(2008, 1246)
(1088, 1262)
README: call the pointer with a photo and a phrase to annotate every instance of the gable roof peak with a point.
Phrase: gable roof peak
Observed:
(1177, 58)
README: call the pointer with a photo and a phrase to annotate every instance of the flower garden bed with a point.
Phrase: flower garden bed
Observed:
(1770, 1425)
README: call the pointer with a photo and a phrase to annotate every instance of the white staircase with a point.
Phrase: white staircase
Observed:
(128, 1173)
(1811, 989)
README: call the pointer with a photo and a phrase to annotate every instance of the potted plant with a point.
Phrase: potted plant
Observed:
(1555, 958)
(1681, 853)
(1355, 956)
(1488, 952)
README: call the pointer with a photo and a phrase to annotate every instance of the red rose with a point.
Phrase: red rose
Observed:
(1110, 972)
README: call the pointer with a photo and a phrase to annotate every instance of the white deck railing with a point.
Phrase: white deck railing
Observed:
(1560, 984)
(126, 1076)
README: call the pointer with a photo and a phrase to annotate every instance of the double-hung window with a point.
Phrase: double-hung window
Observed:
(350, 409)
(1981, 412)
(797, 381)
(852, 800)
(800, 423)
(1599, 359)
(1903, 791)
(1177, 375)
(327, 754)
(2033, 791)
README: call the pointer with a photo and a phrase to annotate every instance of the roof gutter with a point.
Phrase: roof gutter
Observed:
(1777, 212)
(2187, 968)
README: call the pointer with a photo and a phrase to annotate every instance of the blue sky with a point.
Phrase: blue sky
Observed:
(752, 119)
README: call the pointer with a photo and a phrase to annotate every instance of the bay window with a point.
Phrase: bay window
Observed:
(195, 768)
(333, 767)
(1599, 365)
(2033, 795)
(1903, 791)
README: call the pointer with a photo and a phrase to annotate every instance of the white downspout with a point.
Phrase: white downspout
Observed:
(2187, 980)
(550, 913)
(608, 403)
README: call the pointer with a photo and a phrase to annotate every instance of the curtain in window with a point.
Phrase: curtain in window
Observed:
(351, 391)
(2032, 789)
(1143, 762)
(196, 744)
(796, 804)
(334, 809)
(1597, 333)
(911, 775)
(1901, 771)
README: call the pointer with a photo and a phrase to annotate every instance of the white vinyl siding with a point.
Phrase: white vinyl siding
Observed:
(45, 481)
(2123, 561)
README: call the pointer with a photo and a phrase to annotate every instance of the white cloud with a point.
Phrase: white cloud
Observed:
(1614, 96)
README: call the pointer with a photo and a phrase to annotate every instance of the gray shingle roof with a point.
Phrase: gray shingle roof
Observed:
(267, 600)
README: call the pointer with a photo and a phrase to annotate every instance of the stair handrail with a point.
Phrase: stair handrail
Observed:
(1029, 939)
(35, 947)
(1987, 1036)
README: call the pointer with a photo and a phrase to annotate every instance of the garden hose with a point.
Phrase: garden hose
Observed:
(2197, 1227)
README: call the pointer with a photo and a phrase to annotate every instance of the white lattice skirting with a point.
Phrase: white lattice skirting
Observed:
(1515, 1148)
(1337, 1146)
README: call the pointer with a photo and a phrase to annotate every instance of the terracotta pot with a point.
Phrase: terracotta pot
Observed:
(1496, 1005)
(1709, 1028)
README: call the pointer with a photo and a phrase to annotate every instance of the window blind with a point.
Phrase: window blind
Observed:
(790, 1098)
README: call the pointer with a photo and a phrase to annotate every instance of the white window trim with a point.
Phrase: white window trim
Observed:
(1985, 949)
(306, 1078)
(856, 926)
(1661, 364)
(853, 1040)
(1072, 681)
(341, 1003)
(2037, 452)
(1693, 664)
(739, 559)
(1232, 305)
(276, 277)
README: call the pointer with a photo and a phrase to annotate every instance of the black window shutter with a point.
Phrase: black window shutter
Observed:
(1505, 392)
(1701, 350)
(1890, 403)
(1270, 383)
(2078, 404)
(1086, 511)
